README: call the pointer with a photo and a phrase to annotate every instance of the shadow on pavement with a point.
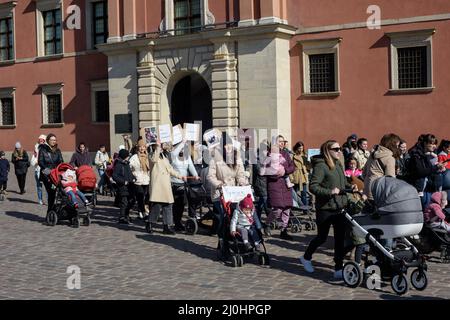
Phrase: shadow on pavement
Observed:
(22, 200)
(25, 216)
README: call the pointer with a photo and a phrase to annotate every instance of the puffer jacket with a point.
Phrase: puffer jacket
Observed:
(381, 163)
(48, 159)
(433, 212)
(142, 177)
(122, 174)
(420, 167)
(241, 220)
(21, 165)
(324, 180)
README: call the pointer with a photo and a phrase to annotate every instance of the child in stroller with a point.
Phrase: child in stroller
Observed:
(64, 208)
(69, 183)
(232, 246)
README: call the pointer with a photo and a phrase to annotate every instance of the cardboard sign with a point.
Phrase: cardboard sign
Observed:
(177, 134)
(212, 138)
(236, 194)
(151, 135)
(165, 133)
(312, 153)
(191, 131)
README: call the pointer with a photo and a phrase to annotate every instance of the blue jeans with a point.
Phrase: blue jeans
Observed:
(73, 197)
(446, 180)
(38, 185)
(101, 173)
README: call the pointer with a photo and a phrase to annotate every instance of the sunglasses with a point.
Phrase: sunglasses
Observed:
(337, 149)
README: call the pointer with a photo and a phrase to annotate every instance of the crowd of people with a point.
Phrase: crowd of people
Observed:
(155, 177)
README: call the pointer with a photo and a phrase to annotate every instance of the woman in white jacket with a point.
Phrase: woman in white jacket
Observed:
(183, 164)
(37, 169)
(140, 167)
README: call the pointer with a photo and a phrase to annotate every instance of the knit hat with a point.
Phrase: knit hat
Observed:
(18, 145)
(2, 153)
(42, 137)
(246, 203)
(123, 154)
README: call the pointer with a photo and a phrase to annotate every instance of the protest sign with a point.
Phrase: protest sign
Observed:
(177, 134)
(212, 138)
(151, 135)
(236, 194)
(165, 133)
(191, 131)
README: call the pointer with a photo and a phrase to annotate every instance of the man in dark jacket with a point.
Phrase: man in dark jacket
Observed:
(4, 170)
(49, 158)
(21, 163)
(81, 157)
(124, 178)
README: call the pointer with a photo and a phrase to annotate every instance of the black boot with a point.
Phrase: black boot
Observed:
(148, 227)
(179, 227)
(168, 230)
(285, 236)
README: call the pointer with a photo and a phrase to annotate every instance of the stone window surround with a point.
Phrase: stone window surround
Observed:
(8, 93)
(50, 89)
(168, 23)
(408, 39)
(8, 10)
(89, 26)
(97, 85)
(41, 6)
(320, 46)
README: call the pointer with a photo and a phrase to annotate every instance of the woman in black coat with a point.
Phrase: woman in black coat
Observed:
(49, 158)
(21, 164)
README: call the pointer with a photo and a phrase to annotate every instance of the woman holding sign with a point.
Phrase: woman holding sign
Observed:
(160, 188)
(225, 169)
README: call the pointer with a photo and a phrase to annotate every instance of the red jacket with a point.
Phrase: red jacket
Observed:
(444, 156)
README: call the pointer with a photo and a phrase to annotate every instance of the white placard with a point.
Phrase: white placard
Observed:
(191, 131)
(165, 133)
(236, 194)
(212, 138)
(177, 134)
(151, 135)
(312, 153)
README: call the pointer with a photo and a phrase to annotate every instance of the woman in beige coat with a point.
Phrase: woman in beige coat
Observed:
(225, 169)
(300, 177)
(161, 189)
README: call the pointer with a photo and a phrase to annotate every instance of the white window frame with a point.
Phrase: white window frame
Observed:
(7, 10)
(99, 85)
(409, 39)
(51, 89)
(8, 93)
(320, 46)
(41, 6)
(168, 23)
(89, 25)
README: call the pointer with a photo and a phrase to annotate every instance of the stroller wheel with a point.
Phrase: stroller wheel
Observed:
(295, 228)
(273, 225)
(52, 218)
(240, 260)
(399, 284)
(75, 222)
(444, 257)
(419, 279)
(234, 261)
(191, 226)
(313, 226)
(352, 274)
(262, 260)
(86, 221)
(308, 226)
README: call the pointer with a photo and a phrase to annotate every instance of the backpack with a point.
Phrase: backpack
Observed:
(86, 177)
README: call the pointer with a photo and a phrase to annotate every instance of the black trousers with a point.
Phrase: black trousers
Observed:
(3, 185)
(125, 205)
(21, 180)
(180, 196)
(337, 220)
(142, 196)
(51, 193)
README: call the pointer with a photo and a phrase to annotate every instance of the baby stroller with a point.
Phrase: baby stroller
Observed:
(87, 183)
(232, 248)
(434, 238)
(63, 208)
(398, 214)
(201, 200)
(299, 218)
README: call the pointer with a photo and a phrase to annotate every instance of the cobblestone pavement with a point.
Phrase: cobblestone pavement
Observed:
(119, 262)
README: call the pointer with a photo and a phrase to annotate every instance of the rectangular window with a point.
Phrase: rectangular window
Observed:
(321, 72)
(54, 109)
(7, 109)
(412, 67)
(52, 31)
(6, 39)
(101, 106)
(100, 22)
(187, 16)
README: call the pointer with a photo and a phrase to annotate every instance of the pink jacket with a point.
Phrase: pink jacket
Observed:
(434, 210)
(350, 172)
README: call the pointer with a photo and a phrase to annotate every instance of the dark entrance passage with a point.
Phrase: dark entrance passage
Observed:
(191, 101)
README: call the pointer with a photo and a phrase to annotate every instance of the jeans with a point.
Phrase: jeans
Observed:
(101, 173)
(167, 213)
(249, 234)
(38, 185)
(323, 228)
(73, 197)
(262, 205)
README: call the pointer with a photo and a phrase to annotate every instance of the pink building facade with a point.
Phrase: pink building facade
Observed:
(313, 70)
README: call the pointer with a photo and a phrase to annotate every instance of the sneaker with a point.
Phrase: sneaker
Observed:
(338, 275)
(307, 264)
(285, 236)
(168, 230)
(141, 216)
(41, 202)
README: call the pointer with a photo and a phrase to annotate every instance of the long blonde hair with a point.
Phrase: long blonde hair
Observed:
(325, 152)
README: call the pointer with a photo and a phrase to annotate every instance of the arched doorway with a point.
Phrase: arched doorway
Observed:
(191, 101)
